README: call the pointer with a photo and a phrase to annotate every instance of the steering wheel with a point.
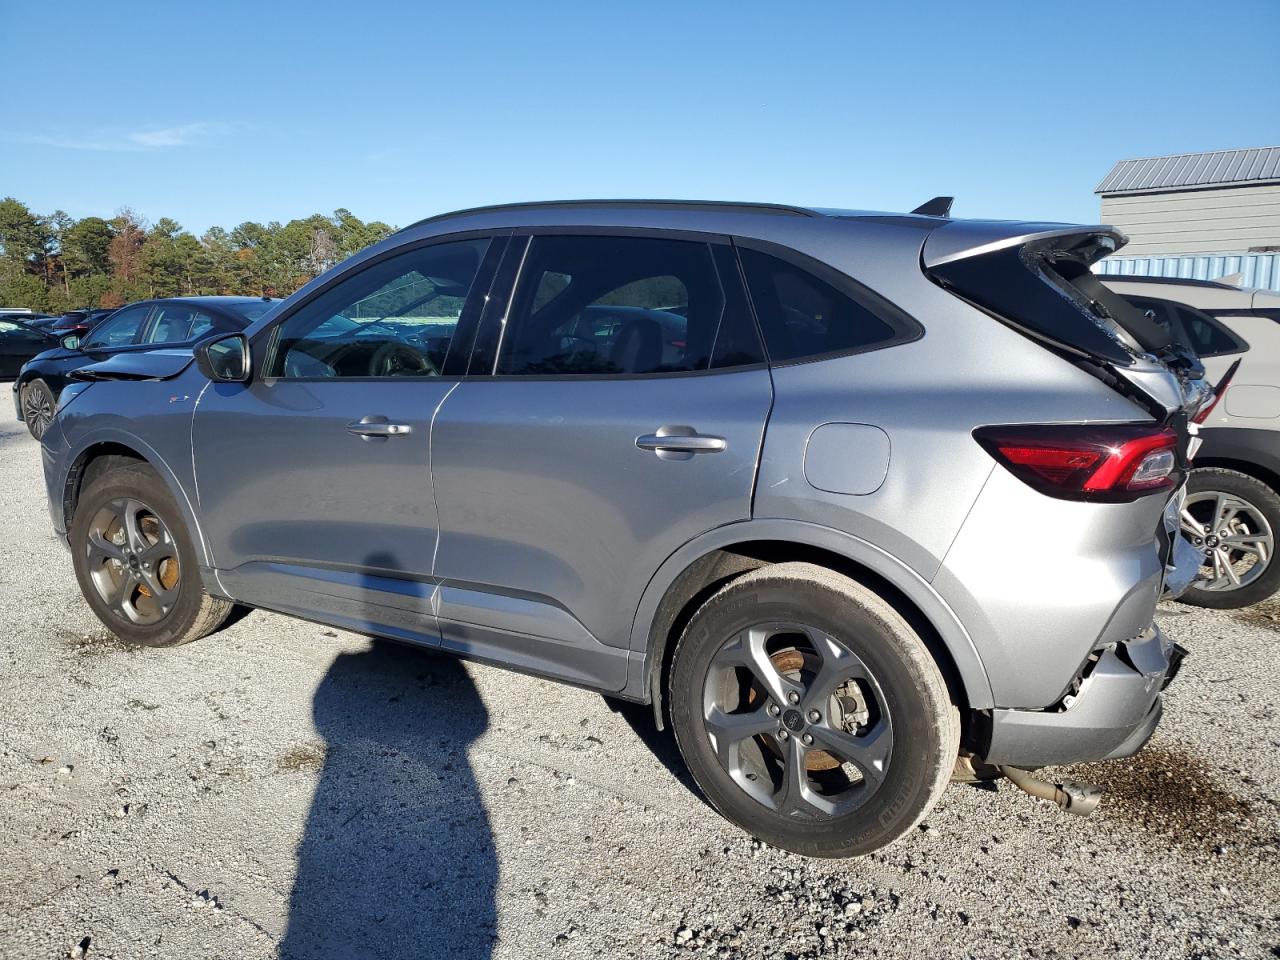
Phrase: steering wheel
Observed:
(400, 360)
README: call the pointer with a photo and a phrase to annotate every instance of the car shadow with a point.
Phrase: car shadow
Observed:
(398, 857)
(661, 743)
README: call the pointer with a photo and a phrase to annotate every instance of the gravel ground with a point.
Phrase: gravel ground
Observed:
(285, 789)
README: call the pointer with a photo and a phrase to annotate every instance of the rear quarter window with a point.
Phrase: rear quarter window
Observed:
(1207, 336)
(805, 317)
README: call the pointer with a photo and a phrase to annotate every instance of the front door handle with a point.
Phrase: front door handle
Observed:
(378, 427)
(680, 442)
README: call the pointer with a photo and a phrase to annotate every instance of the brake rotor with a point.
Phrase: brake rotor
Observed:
(168, 570)
(792, 664)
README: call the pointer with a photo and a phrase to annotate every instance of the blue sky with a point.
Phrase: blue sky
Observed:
(222, 112)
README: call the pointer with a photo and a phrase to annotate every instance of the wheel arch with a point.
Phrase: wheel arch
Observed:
(698, 569)
(1246, 450)
(1247, 467)
(95, 454)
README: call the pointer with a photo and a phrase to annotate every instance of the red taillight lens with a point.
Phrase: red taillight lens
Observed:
(1108, 462)
(1219, 392)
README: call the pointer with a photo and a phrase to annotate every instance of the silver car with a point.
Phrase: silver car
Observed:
(846, 496)
(1232, 510)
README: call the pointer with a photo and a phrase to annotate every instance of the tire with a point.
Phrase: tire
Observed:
(1254, 511)
(38, 407)
(131, 582)
(894, 730)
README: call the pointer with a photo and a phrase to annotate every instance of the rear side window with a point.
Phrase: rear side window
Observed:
(1204, 334)
(1207, 335)
(621, 306)
(176, 323)
(803, 317)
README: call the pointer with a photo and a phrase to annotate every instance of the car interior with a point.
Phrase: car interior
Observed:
(400, 324)
(653, 307)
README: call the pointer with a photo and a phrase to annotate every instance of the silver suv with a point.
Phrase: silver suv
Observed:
(1233, 496)
(845, 496)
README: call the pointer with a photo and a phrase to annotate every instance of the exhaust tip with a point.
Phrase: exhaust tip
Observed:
(1078, 799)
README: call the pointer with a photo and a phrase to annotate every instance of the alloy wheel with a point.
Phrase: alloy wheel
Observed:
(1237, 540)
(37, 409)
(133, 561)
(797, 720)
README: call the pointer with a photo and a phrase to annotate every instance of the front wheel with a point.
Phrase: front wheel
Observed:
(38, 407)
(810, 713)
(135, 561)
(1234, 518)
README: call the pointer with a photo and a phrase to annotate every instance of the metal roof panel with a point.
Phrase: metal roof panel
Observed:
(1188, 170)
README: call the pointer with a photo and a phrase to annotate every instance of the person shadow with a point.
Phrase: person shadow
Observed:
(398, 858)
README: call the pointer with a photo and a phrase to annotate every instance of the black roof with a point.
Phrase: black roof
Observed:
(779, 209)
(209, 301)
(918, 216)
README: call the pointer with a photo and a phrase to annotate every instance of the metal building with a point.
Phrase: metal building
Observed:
(1201, 215)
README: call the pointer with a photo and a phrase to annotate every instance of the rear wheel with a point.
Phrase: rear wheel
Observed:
(1234, 518)
(135, 562)
(809, 712)
(38, 407)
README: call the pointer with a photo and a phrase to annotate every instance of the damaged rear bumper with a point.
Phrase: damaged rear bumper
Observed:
(1113, 714)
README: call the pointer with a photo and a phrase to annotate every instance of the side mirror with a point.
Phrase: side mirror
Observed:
(71, 341)
(225, 359)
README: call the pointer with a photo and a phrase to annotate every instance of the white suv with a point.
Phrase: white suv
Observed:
(1233, 501)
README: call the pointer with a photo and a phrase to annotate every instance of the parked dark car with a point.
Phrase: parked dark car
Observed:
(19, 342)
(78, 322)
(173, 321)
(24, 315)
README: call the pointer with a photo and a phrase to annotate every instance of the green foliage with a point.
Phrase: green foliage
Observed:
(53, 263)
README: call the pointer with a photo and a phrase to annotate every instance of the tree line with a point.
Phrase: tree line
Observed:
(54, 262)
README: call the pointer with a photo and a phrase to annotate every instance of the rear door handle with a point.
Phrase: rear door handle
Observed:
(680, 442)
(377, 426)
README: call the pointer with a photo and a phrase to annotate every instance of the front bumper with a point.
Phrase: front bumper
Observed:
(1113, 714)
(17, 402)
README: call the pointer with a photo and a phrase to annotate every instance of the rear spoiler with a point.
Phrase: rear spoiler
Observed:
(141, 365)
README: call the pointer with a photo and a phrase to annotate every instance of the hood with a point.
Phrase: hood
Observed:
(139, 365)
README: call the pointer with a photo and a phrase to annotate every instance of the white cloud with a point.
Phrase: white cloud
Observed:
(178, 136)
(152, 138)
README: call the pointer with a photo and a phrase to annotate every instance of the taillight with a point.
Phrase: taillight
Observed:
(1102, 462)
(1219, 392)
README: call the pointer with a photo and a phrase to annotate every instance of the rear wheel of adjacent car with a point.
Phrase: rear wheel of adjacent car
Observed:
(135, 561)
(1234, 518)
(810, 713)
(38, 407)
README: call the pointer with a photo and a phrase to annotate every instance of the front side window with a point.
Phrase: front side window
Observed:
(177, 323)
(119, 329)
(802, 316)
(597, 305)
(395, 318)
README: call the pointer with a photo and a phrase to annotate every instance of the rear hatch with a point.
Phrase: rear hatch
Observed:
(1037, 279)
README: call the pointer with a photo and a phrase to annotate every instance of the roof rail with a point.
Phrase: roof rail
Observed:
(778, 209)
